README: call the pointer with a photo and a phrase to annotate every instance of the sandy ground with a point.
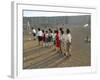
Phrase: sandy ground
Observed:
(35, 56)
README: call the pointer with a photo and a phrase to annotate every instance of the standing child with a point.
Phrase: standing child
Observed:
(43, 38)
(69, 41)
(60, 35)
(49, 37)
(63, 43)
(46, 39)
(57, 41)
(54, 37)
(39, 34)
(34, 33)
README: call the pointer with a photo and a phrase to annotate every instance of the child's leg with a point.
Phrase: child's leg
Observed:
(44, 44)
(61, 47)
(69, 49)
(57, 49)
(65, 49)
(39, 40)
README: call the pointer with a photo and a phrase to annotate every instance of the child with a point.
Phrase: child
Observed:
(60, 35)
(52, 38)
(43, 38)
(69, 41)
(46, 39)
(63, 43)
(57, 42)
(49, 37)
(39, 34)
(34, 33)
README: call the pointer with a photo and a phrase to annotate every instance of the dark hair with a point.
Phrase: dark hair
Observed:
(60, 29)
(56, 31)
(43, 31)
(39, 29)
(62, 32)
(46, 31)
(67, 31)
(49, 29)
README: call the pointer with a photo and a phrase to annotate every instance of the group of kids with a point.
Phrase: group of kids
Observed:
(58, 38)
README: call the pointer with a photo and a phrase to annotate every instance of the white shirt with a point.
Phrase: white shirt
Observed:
(47, 35)
(40, 33)
(34, 31)
(66, 37)
(60, 35)
(63, 37)
(69, 37)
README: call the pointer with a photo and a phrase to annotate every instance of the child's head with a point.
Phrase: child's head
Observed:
(56, 31)
(50, 31)
(62, 32)
(43, 31)
(60, 29)
(38, 29)
(67, 31)
(46, 31)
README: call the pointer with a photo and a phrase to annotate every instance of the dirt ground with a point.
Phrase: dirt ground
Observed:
(35, 56)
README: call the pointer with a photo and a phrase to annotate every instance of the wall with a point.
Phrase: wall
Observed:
(53, 21)
(79, 20)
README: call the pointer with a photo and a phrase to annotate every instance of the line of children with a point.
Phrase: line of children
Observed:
(60, 39)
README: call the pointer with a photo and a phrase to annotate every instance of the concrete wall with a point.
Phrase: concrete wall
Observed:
(79, 19)
(42, 21)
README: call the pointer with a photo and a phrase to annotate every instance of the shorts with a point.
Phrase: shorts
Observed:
(34, 34)
(39, 38)
(49, 39)
(46, 39)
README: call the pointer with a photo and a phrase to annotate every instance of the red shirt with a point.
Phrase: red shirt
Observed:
(57, 40)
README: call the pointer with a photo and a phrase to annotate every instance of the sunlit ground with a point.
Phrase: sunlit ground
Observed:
(35, 56)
